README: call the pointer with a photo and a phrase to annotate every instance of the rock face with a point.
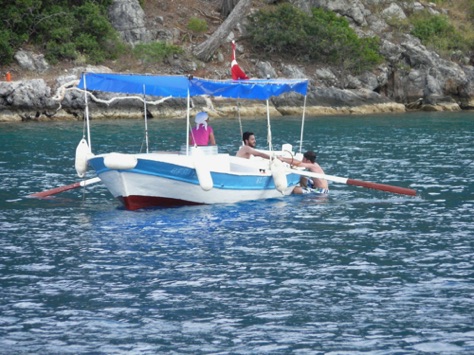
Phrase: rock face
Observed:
(128, 18)
(31, 61)
(411, 78)
(413, 73)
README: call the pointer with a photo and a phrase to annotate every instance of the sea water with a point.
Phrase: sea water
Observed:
(360, 272)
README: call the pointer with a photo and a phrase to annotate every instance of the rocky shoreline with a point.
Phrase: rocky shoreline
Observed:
(35, 100)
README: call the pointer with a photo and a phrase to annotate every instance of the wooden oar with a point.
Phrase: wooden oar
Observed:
(57, 190)
(370, 185)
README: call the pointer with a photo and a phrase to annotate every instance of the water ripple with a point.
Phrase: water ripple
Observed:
(362, 271)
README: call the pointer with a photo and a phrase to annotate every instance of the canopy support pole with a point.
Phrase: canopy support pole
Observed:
(87, 114)
(269, 129)
(188, 107)
(240, 121)
(302, 124)
(146, 118)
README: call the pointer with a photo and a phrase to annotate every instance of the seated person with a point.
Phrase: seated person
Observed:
(202, 134)
(248, 148)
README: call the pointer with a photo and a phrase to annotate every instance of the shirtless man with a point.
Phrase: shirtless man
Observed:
(309, 184)
(248, 149)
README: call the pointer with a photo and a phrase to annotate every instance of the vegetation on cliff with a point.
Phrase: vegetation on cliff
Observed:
(80, 30)
(62, 30)
(322, 36)
(439, 33)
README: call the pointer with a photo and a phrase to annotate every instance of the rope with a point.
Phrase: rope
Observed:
(61, 92)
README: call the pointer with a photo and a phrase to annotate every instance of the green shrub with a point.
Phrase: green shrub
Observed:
(55, 50)
(427, 26)
(280, 31)
(437, 32)
(17, 19)
(6, 51)
(94, 36)
(155, 52)
(197, 25)
(63, 29)
(323, 37)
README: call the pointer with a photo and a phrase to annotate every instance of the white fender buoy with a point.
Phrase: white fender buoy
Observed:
(279, 175)
(117, 161)
(287, 150)
(82, 155)
(202, 171)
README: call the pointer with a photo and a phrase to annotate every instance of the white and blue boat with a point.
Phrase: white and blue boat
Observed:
(195, 175)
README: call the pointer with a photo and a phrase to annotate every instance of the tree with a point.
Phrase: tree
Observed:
(205, 50)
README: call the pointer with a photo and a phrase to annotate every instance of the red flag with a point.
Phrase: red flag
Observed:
(237, 73)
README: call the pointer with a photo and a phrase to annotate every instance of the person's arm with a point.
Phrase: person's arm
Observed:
(291, 161)
(212, 139)
(245, 152)
(258, 153)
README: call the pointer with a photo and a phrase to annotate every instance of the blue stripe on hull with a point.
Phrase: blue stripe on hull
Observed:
(225, 181)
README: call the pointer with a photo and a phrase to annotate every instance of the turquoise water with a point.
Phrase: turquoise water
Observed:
(363, 272)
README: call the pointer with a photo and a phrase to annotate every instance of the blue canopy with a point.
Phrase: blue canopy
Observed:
(182, 86)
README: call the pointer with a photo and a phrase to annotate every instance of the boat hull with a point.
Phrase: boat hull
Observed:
(166, 180)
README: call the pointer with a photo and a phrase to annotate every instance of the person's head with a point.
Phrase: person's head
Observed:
(310, 155)
(201, 118)
(249, 139)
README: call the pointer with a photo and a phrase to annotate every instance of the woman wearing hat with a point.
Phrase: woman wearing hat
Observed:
(202, 134)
